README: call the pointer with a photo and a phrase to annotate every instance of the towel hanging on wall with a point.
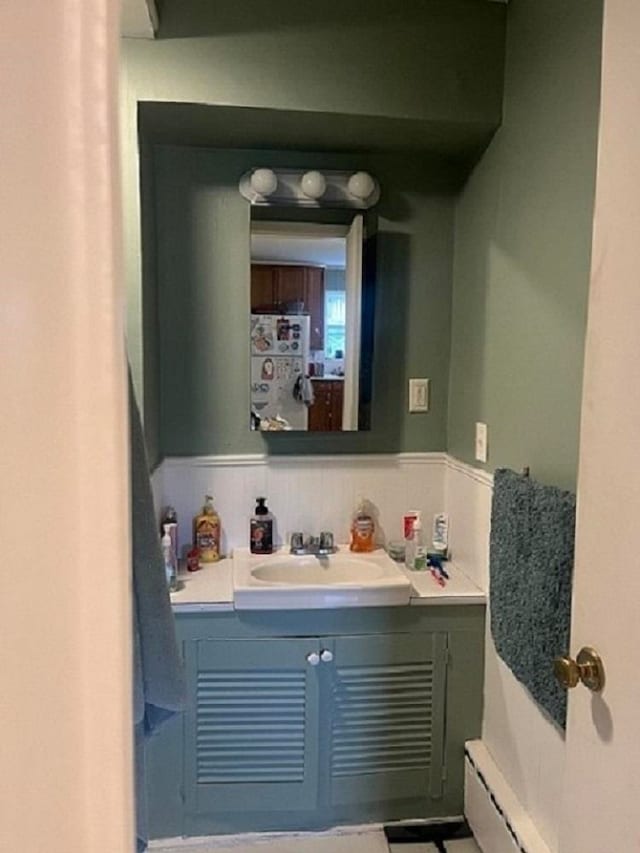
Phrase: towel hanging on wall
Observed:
(158, 677)
(531, 574)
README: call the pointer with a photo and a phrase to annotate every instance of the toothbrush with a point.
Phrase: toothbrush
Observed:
(436, 565)
(438, 578)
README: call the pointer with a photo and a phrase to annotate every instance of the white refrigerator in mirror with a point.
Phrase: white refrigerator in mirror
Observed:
(279, 356)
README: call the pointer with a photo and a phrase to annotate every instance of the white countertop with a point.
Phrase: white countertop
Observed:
(211, 588)
(459, 589)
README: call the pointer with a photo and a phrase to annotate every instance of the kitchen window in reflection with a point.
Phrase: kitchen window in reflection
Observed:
(334, 330)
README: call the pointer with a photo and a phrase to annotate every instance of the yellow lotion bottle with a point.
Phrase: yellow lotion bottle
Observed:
(206, 532)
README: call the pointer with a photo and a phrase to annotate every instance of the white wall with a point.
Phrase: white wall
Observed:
(65, 649)
(526, 747)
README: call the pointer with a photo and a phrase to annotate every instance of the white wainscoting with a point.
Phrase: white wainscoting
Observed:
(525, 745)
(307, 493)
(467, 500)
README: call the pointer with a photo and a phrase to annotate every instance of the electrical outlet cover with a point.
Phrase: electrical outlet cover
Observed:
(418, 395)
(481, 442)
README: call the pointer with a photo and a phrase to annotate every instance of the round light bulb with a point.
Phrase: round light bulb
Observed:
(361, 185)
(313, 184)
(264, 181)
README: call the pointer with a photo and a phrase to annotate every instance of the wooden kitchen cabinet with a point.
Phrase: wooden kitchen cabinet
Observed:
(314, 301)
(326, 413)
(262, 288)
(276, 288)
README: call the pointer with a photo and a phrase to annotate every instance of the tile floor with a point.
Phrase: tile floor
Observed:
(337, 841)
(351, 842)
(466, 845)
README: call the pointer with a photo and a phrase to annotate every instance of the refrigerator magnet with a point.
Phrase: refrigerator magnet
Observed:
(267, 369)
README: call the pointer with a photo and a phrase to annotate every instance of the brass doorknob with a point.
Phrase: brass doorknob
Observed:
(587, 668)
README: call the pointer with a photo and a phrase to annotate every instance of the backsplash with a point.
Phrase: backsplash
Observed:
(467, 500)
(307, 493)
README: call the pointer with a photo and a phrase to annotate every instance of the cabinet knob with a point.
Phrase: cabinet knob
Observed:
(313, 658)
(326, 656)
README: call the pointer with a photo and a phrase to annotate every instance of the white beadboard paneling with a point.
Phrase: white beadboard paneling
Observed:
(525, 745)
(308, 493)
(547, 805)
(468, 493)
(510, 727)
(425, 491)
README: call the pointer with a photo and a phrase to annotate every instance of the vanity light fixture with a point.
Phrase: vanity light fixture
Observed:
(361, 185)
(264, 182)
(313, 184)
(331, 188)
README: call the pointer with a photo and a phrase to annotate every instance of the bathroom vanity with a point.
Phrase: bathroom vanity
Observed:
(304, 719)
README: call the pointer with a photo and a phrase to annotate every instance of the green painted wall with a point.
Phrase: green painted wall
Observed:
(440, 60)
(150, 341)
(522, 249)
(432, 70)
(202, 230)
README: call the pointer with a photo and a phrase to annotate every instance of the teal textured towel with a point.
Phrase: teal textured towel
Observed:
(531, 574)
(158, 686)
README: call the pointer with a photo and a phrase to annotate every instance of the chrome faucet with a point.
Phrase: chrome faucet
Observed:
(320, 546)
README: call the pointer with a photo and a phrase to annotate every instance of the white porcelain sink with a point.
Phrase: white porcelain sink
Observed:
(310, 571)
(282, 581)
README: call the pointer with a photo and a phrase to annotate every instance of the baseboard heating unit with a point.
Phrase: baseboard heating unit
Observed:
(498, 821)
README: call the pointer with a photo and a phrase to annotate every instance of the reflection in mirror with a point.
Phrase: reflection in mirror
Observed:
(306, 325)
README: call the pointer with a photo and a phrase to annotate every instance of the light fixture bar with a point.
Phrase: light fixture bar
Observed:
(314, 188)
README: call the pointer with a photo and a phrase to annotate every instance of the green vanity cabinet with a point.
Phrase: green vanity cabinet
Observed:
(304, 720)
(251, 731)
(386, 718)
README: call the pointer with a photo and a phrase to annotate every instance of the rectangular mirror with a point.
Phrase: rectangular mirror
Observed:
(311, 312)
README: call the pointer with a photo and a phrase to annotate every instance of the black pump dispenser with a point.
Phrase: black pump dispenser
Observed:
(261, 535)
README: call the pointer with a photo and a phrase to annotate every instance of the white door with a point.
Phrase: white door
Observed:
(65, 628)
(353, 322)
(601, 803)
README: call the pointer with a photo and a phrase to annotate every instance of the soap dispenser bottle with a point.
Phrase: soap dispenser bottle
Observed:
(206, 532)
(363, 529)
(261, 529)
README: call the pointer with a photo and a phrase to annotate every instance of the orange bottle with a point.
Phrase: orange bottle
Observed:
(363, 529)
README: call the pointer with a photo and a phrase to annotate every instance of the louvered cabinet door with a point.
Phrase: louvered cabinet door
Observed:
(252, 728)
(387, 719)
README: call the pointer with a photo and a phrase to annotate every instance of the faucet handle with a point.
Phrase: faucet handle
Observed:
(297, 542)
(326, 541)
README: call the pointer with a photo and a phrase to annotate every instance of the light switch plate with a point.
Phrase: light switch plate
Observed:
(418, 395)
(481, 442)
